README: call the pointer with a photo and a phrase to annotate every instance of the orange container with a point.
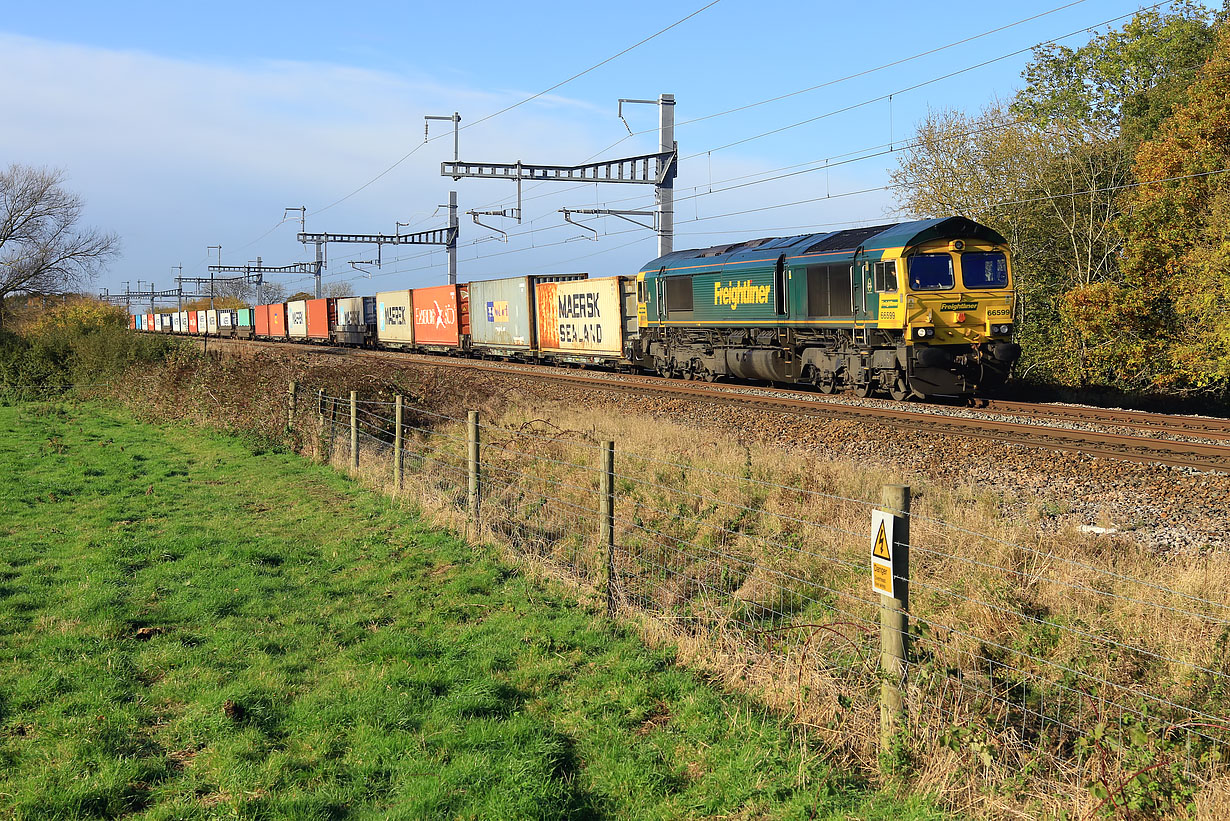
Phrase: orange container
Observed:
(192, 322)
(321, 316)
(277, 320)
(260, 320)
(437, 314)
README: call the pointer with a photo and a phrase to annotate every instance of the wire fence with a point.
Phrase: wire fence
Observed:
(1028, 660)
(1025, 658)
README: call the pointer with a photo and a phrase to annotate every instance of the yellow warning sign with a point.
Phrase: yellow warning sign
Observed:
(883, 571)
(882, 578)
(880, 548)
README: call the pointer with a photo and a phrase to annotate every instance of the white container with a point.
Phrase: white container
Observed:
(394, 317)
(296, 319)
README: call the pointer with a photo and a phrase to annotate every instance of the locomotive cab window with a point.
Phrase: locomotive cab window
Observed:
(984, 270)
(679, 293)
(930, 272)
(886, 276)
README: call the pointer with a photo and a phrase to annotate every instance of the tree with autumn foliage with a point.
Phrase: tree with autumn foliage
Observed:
(1174, 295)
(1056, 171)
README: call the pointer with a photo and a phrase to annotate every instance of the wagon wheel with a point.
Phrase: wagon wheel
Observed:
(900, 390)
(862, 390)
(826, 383)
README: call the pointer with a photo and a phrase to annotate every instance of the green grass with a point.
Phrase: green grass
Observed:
(191, 627)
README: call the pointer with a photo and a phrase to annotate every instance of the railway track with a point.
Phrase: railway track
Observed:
(1055, 427)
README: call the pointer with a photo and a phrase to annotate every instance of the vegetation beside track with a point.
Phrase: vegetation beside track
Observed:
(197, 626)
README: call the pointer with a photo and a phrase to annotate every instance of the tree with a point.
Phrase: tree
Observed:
(1049, 190)
(1177, 252)
(1125, 81)
(339, 288)
(42, 250)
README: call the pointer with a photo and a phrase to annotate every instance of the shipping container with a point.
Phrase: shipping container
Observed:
(277, 320)
(439, 316)
(394, 319)
(211, 321)
(175, 327)
(192, 328)
(502, 312)
(225, 320)
(138, 322)
(183, 322)
(166, 323)
(588, 318)
(243, 323)
(321, 314)
(260, 320)
(296, 319)
(355, 320)
(202, 322)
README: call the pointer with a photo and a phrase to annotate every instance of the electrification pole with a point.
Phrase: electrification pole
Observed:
(666, 189)
(453, 230)
(211, 273)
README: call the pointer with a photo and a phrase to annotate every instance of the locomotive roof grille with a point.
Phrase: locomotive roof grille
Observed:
(849, 239)
(873, 237)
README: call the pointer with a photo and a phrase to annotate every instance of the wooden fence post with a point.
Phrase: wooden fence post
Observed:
(332, 427)
(894, 612)
(291, 390)
(606, 518)
(472, 464)
(397, 444)
(354, 429)
(320, 424)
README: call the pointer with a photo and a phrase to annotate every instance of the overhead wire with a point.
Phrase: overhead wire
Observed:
(522, 102)
(878, 150)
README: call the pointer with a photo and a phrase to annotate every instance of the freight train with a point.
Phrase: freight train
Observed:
(912, 309)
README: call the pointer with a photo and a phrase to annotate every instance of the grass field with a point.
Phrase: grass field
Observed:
(192, 627)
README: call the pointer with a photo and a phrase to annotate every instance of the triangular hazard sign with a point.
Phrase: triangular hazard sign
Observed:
(881, 549)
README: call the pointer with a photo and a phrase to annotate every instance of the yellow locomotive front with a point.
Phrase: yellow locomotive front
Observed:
(954, 307)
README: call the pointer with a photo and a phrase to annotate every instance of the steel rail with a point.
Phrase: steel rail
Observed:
(1126, 447)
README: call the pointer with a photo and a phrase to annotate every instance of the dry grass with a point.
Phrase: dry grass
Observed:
(1047, 667)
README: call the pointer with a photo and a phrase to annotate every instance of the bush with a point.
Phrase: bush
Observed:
(81, 343)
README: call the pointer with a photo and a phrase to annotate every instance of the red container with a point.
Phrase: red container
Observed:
(277, 320)
(437, 315)
(132, 322)
(192, 322)
(321, 316)
(149, 322)
(260, 320)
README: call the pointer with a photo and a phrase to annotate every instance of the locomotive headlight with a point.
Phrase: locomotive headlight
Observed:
(924, 333)
(1001, 330)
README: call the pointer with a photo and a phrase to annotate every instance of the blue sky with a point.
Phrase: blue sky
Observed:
(194, 124)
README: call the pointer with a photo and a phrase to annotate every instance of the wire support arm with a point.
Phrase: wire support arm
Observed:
(647, 169)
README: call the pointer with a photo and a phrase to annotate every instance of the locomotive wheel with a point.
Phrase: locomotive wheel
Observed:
(862, 391)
